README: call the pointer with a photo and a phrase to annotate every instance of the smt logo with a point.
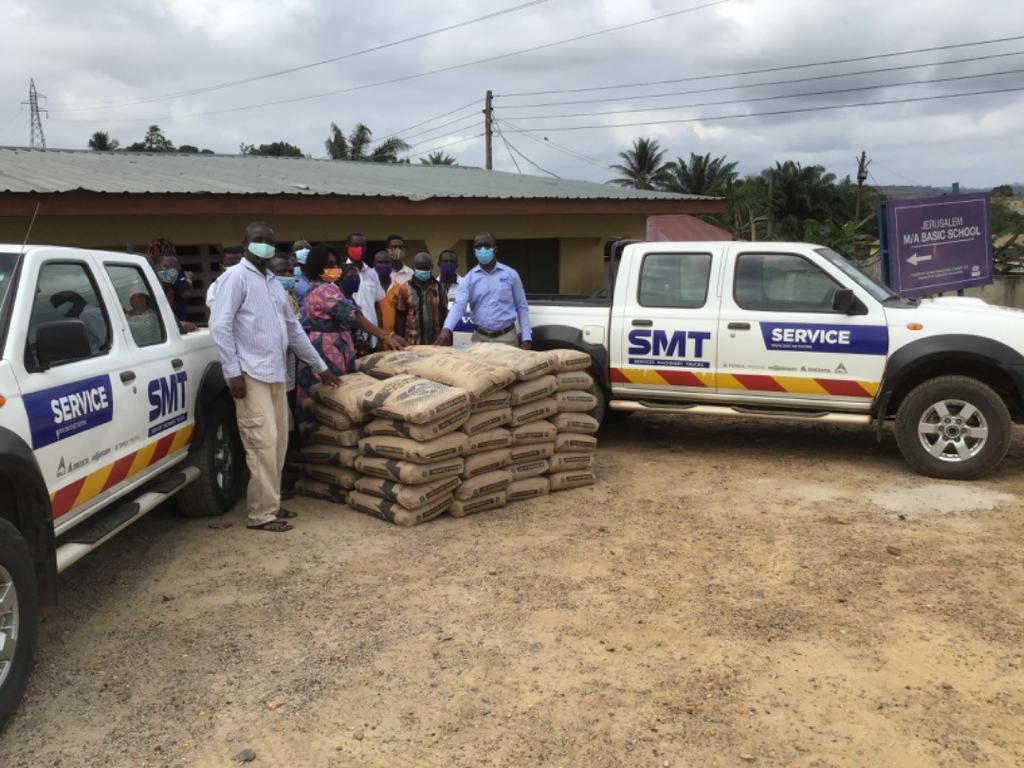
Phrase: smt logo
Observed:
(166, 397)
(681, 349)
(816, 337)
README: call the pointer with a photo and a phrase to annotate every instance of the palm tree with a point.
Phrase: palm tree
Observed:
(356, 146)
(797, 194)
(702, 175)
(101, 142)
(642, 167)
(437, 158)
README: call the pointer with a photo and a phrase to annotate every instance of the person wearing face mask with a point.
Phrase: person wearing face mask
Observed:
(370, 291)
(300, 251)
(331, 317)
(494, 294)
(73, 306)
(422, 303)
(396, 247)
(382, 264)
(448, 264)
(254, 325)
(177, 284)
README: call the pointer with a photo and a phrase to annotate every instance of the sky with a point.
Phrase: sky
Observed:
(121, 65)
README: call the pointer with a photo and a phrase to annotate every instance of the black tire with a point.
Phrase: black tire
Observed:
(599, 410)
(220, 459)
(17, 580)
(960, 450)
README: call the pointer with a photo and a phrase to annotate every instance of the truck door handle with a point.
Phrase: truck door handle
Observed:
(176, 363)
(643, 323)
(739, 326)
(127, 376)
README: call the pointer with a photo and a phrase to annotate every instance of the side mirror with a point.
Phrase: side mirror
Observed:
(845, 302)
(61, 341)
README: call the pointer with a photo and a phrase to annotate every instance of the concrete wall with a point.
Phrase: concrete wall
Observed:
(1004, 292)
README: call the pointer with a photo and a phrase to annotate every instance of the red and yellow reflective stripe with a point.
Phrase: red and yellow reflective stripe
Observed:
(63, 500)
(798, 385)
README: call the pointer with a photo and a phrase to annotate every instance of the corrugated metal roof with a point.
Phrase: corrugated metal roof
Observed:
(29, 170)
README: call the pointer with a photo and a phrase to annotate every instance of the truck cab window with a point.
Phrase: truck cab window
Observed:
(65, 291)
(674, 280)
(782, 282)
(138, 305)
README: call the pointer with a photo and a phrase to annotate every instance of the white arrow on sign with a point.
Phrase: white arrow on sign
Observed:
(917, 258)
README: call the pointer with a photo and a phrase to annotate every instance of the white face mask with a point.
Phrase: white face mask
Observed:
(262, 251)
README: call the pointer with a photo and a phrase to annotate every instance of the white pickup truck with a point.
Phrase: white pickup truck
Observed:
(795, 331)
(106, 411)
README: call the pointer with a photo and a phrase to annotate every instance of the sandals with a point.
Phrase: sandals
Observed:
(275, 526)
(286, 514)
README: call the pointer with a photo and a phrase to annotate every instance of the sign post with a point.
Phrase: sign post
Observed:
(936, 244)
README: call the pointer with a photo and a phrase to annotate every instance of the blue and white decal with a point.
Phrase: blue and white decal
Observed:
(681, 349)
(816, 337)
(167, 400)
(61, 412)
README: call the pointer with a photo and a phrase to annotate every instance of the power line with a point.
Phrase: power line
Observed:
(445, 146)
(777, 96)
(765, 70)
(509, 150)
(545, 141)
(762, 83)
(512, 147)
(474, 102)
(405, 78)
(824, 108)
(291, 70)
(473, 119)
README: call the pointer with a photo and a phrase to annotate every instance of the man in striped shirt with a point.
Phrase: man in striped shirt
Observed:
(254, 326)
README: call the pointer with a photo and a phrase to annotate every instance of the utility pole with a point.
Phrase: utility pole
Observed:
(37, 139)
(862, 176)
(488, 128)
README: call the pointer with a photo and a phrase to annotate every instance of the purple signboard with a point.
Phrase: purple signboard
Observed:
(939, 244)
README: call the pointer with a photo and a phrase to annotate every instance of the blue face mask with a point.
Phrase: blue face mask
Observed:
(168, 276)
(484, 255)
(349, 285)
(262, 251)
(286, 282)
(66, 307)
(298, 272)
(423, 274)
(300, 255)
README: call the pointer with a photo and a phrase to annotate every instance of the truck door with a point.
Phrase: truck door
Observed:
(667, 347)
(780, 341)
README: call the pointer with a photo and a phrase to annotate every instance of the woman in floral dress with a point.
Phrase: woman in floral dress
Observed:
(330, 318)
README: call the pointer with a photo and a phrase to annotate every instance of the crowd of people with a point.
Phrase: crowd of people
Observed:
(284, 321)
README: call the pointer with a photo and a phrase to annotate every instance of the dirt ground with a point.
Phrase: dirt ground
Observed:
(728, 594)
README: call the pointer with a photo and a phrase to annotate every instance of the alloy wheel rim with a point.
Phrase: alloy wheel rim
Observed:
(953, 431)
(223, 459)
(9, 623)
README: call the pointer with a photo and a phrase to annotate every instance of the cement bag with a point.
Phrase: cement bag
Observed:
(396, 513)
(564, 462)
(489, 440)
(575, 401)
(333, 455)
(528, 488)
(339, 477)
(329, 417)
(348, 397)
(421, 432)
(407, 449)
(488, 461)
(538, 409)
(535, 432)
(492, 402)
(384, 365)
(476, 376)
(569, 359)
(317, 490)
(518, 453)
(406, 471)
(524, 469)
(486, 421)
(574, 380)
(318, 433)
(534, 389)
(525, 363)
(576, 478)
(461, 508)
(408, 496)
(483, 484)
(576, 422)
(430, 350)
(410, 398)
(571, 442)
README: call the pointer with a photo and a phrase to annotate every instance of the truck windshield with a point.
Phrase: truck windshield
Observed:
(868, 283)
(7, 262)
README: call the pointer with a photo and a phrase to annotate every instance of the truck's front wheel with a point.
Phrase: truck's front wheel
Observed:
(220, 459)
(953, 427)
(19, 618)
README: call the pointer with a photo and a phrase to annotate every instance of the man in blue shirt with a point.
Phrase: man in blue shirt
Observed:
(494, 293)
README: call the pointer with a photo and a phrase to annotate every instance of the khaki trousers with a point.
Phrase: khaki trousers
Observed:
(511, 338)
(263, 424)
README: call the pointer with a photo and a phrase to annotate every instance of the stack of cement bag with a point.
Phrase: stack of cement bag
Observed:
(572, 464)
(330, 438)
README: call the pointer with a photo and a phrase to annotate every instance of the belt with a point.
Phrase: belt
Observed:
(496, 334)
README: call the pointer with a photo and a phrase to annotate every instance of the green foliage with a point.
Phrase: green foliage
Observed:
(852, 239)
(1003, 190)
(155, 141)
(101, 142)
(437, 158)
(1007, 238)
(702, 175)
(274, 149)
(643, 166)
(357, 146)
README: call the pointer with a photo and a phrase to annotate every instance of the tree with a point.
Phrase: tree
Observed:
(437, 158)
(101, 142)
(188, 149)
(702, 175)
(357, 146)
(1003, 190)
(155, 141)
(642, 166)
(797, 193)
(275, 149)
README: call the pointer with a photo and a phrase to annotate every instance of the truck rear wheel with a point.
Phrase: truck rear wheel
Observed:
(953, 427)
(19, 618)
(221, 463)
